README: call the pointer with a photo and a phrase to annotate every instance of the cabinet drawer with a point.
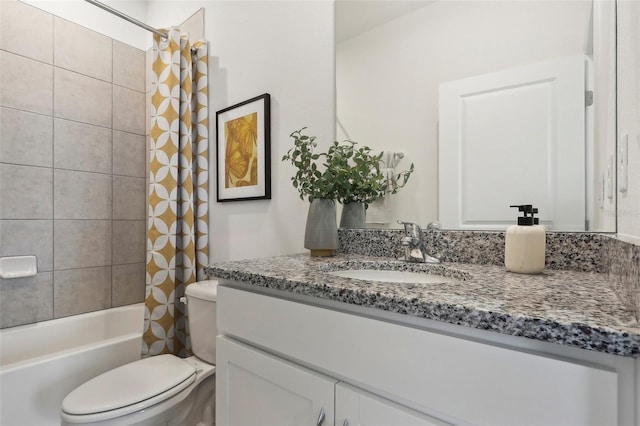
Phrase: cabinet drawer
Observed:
(459, 380)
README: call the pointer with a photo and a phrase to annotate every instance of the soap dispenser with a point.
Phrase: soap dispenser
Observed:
(525, 243)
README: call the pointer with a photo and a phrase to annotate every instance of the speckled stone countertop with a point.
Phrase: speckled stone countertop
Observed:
(567, 307)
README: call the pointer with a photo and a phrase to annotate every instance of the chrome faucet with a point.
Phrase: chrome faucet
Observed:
(415, 249)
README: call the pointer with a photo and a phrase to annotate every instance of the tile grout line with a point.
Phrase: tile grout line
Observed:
(53, 162)
(71, 120)
(113, 160)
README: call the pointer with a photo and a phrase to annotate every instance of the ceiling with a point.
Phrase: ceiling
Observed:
(357, 16)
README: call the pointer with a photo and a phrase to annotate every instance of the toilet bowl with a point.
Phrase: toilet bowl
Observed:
(160, 390)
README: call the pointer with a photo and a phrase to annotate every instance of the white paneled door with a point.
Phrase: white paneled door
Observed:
(515, 136)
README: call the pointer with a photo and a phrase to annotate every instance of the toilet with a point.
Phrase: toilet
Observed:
(160, 390)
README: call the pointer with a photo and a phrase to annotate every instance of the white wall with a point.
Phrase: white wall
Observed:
(94, 18)
(603, 146)
(284, 48)
(629, 114)
(387, 78)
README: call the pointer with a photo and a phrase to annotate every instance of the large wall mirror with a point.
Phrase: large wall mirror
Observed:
(490, 100)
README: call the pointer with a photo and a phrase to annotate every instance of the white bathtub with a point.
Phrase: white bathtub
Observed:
(41, 363)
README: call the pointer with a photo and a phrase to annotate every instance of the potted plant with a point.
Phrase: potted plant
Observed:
(360, 180)
(345, 173)
(315, 180)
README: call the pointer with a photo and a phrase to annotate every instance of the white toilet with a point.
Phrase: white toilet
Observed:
(160, 390)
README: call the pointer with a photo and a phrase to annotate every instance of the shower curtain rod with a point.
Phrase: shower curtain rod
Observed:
(127, 18)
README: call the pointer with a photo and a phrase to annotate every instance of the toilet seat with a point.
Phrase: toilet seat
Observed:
(129, 388)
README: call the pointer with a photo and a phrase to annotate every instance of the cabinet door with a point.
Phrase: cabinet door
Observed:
(254, 388)
(356, 407)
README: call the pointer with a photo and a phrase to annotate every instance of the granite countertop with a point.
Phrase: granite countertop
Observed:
(571, 308)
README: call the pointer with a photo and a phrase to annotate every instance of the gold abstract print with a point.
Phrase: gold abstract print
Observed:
(177, 226)
(241, 156)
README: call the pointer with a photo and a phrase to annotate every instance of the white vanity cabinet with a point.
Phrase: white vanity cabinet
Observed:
(355, 407)
(278, 352)
(255, 388)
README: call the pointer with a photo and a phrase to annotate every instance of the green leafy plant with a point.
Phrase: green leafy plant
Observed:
(345, 173)
(311, 180)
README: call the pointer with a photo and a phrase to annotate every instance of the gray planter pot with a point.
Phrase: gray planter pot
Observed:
(353, 215)
(321, 232)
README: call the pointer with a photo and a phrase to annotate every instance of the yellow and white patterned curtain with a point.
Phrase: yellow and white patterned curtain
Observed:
(177, 226)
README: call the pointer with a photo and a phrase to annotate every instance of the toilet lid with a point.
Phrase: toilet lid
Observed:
(205, 290)
(131, 387)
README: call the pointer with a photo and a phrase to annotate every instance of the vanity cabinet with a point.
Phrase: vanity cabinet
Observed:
(256, 388)
(385, 372)
(355, 407)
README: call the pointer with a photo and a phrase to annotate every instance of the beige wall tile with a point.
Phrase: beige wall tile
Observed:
(82, 50)
(146, 159)
(26, 192)
(26, 138)
(194, 25)
(81, 195)
(25, 84)
(26, 30)
(129, 113)
(58, 151)
(127, 284)
(26, 300)
(26, 238)
(77, 291)
(129, 243)
(146, 202)
(128, 198)
(149, 112)
(128, 66)
(148, 89)
(79, 146)
(148, 66)
(82, 98)
(128, 154)
(81, 243)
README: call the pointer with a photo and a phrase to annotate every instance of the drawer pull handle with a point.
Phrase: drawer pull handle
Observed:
(320, 418)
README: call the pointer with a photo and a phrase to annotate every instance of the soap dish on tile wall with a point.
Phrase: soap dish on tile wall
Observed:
(18, 266)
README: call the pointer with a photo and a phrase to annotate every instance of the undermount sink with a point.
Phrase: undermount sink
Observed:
(392, 276)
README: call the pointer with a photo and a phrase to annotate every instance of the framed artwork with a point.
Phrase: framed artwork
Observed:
(243, 147)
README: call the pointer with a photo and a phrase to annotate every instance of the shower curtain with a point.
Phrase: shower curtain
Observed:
(177, 225)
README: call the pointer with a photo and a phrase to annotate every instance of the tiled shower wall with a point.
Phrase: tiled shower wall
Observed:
(72, 166)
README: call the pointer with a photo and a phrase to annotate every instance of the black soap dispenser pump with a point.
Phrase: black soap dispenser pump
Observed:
(524, 245)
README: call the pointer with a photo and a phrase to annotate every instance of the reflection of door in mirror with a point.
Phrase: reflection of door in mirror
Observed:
(388, 80)
(514, 136)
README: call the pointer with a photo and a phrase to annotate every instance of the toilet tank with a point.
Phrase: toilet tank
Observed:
(201, 309)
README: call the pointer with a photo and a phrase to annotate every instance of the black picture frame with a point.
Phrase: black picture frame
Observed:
(243, 150)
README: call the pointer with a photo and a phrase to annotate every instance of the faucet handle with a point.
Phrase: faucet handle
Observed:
(434, 225)
(411, 229)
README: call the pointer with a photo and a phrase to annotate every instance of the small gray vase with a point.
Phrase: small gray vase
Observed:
(353, 215)
(321, 232)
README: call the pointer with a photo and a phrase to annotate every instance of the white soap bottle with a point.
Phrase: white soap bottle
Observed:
(524, 244)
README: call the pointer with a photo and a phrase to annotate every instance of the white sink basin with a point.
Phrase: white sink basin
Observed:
(392, 276)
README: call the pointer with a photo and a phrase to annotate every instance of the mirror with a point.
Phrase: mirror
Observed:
(393, 61)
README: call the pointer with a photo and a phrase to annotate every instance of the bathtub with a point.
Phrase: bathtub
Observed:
(41, 363)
